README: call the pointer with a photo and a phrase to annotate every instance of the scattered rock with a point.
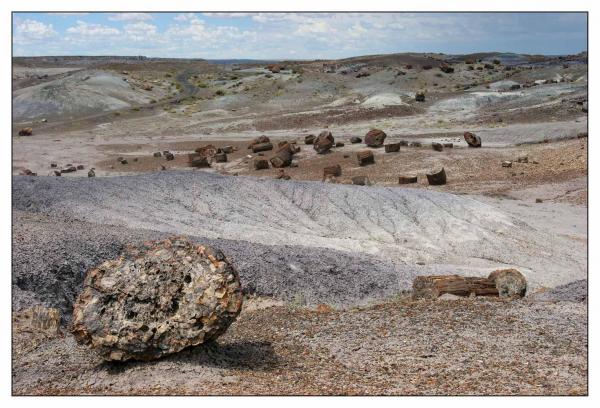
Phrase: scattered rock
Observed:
(227, 149)
(57, 173)
(365, 157)
(420, 96)
(169, 156)
(324, 142)
(80, 167)
(69, 169)
(339, 144)
(91, 173)
(310, 139)
(197, 160)
(437, 178)
(355, 140)
(446, 68)
(407, 179)
(449, 145)
(259, 140)
(522, 159)
(403, 142)
(539, 200)
(507, 163)
(123, 161)
(220, 158)
(282, 175)
(156, 299)
(472, 139)
(53, 165)
(38, 319)
(375, 138)
(157, 154)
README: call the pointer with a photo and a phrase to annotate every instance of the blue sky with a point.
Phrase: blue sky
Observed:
(294, 35)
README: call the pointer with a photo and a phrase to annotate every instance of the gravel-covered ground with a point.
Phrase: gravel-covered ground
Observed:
(456, 347)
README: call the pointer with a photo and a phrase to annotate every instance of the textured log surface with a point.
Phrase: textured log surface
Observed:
(155, 300)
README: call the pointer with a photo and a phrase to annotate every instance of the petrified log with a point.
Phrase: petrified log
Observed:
(375, 138)
(309, 139)
(335, 171)
(282, 158)
(262, 147)
(472, 139)
(365, 157)
(506, 283)
(259, 140)
(437, 178)
(407, 179)
(324, 142)
(156, 299)
(26, 131)
(392, 147)
(260, 164)
(438, 147)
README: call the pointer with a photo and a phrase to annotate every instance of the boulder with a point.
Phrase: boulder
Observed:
(361, 181)
(26, 131)
(407, 179)
(437, 177)
(375, 138)
(438, 147)
(472, 139)
(156, 299)
(262, 147)
(510, 283)
(260, 164)
(53, 165)
(324, 142)
(124, 161)
(207, 150)
(310, 139)
(392, 147)
(355, 140)
(365, 157)
(335, 171)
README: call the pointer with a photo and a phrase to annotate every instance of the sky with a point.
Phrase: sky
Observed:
(294, 35)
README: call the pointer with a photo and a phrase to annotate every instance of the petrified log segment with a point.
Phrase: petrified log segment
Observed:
(407, 179)
(220, 157)
(259, 140)
(310, 139)
(324, 142)
(262, 147)
(437, 178)
(365, 157)
(392, 147)
(472, 139)
(375, 138)
(260, 164)
(506, 283)
(335, 171)
(438, 147)
(156, 299)
(283, 157)
(197, 160)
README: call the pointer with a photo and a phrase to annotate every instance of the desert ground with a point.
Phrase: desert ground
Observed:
(326, 265)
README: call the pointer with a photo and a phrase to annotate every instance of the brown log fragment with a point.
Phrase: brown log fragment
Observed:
(262, 147)
(335, 171)
(365, 157)
(392, 147)
(437, 178)
(407, 179)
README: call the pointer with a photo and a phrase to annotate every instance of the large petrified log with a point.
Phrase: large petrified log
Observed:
(156, 299)
(283, 156)
(506, 283)
(261, 147)
(259, 140)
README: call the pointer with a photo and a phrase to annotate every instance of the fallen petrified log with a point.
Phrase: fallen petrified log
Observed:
(365, 157)
(506, 283)
(283, 156)
(259, 140)
(261, 147)
(156, 299)
(392, 147)
(260, 164)
(375, 138)
(437, 178)
(324, 142)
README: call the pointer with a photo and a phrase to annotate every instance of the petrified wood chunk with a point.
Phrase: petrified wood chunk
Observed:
(262, 147)
(335, 171)
(472, 139)
(324, 142)
(365, 157)
(156, 299)
(375, 138)
(407, 179)
(437, 178)
(392, 147)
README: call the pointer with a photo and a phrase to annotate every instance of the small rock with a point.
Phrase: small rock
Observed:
(361, 181)
(539, 200)
(80, 167)
(507, 163)
(91, 173)
(438, 147)
(522, 159)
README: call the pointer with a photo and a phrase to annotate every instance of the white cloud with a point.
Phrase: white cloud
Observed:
(314, 27)
(33, 30)
(131, 17)
(229, 15)
(96, 31)
(184, 17)
(67, 14)
(140, 31)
